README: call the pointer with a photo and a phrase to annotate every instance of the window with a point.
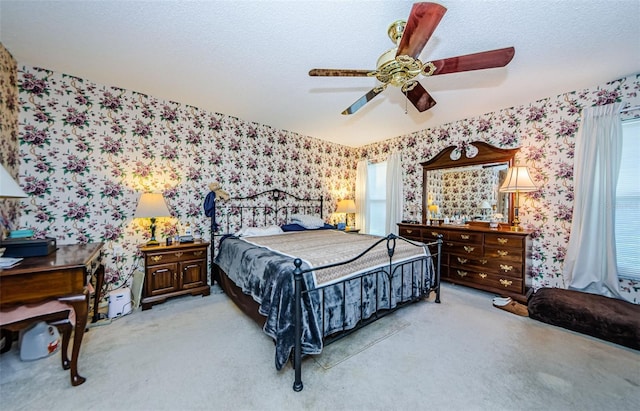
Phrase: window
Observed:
(376, 198)
(627, 215)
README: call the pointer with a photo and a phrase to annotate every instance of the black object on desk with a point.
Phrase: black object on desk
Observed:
(28, 247)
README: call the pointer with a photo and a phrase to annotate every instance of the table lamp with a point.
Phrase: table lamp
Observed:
(517, 181)
(8, 186)
(8, 189)
(346, 207)
(152, 206)
(484, 206)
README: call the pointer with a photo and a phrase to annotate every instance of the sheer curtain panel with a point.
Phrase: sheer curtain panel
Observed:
(590, 262)
(394, 193)
(361, 195)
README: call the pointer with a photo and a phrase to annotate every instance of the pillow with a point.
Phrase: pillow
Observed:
(292, 227)
(298, 227)
(307, 221)
(259, 231)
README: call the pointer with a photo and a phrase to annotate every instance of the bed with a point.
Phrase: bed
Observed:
(306, 283)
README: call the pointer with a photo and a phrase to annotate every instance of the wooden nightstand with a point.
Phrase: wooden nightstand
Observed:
(174, 270)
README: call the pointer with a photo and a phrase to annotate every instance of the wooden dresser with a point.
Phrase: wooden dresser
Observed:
(493, 260)
(174, 270)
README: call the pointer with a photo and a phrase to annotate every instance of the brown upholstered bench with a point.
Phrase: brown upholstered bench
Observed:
(610, 319)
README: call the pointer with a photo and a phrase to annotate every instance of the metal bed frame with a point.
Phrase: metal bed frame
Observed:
(423, 282)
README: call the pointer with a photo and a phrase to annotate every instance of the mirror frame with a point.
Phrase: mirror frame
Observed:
(487, 154)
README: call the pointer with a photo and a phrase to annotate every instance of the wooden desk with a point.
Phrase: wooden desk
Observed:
(62, 275)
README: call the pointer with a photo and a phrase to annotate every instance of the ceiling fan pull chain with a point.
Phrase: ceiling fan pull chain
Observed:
(405, 102)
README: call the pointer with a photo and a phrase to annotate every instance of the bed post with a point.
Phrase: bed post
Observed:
(297, 354)
(438, 268)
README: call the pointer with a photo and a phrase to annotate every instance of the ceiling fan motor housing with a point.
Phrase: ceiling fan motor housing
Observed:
(396, 70)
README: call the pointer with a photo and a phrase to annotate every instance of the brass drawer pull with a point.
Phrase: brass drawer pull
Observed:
(506, 268)
(156, 258)
(482, 275)
(462, 273)
(409, 231)
(469, 249)
(198, 253)
(179, 254)
(464, 236)
(462, 260)
(506, 283)
(503, 240)
(502, 253)
(483, 261)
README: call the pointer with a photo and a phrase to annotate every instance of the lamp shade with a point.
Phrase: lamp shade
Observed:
(518, 180)
(8, 186)
(346, 206)
(485, 205)
(152, 205)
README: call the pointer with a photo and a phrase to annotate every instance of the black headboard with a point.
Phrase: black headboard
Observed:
(271, 207)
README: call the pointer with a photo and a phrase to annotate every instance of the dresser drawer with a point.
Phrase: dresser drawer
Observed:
(411, 233)
(504, 240)
(431, 233)
(468, 262)
(505, 268)
(487, 280)
(465, 237)
(174, 256)
(465, 250)
(503, 254)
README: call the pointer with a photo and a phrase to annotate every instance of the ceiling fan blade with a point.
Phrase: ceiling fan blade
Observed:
(422, 22)
(476, 61)
(362, 101)
(420, 98)
(339, 73)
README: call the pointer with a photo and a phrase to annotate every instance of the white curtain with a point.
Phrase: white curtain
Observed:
(590, 263)
(395, 197)
(361, 195)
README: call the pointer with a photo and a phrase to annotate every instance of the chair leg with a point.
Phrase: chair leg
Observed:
(8, 340)
(65, 327)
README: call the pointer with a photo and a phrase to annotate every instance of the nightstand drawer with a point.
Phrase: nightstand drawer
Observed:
(174, 256)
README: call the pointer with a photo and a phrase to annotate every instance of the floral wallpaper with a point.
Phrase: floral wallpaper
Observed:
(464, 191)
(88, 150)
(9, 208)
(545, 131)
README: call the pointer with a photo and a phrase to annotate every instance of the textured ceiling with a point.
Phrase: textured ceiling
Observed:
(250, 59)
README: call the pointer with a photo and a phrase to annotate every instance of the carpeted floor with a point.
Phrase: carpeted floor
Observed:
(197, 353)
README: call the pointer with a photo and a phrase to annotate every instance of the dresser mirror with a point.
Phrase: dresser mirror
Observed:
(461, 184)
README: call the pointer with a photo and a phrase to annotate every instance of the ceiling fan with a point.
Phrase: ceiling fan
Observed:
(400, 65)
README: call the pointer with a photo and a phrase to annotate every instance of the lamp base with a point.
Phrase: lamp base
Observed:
(516, 228)
(152, 243)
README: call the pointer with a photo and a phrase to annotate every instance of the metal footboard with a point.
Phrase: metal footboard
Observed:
(423, 282)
